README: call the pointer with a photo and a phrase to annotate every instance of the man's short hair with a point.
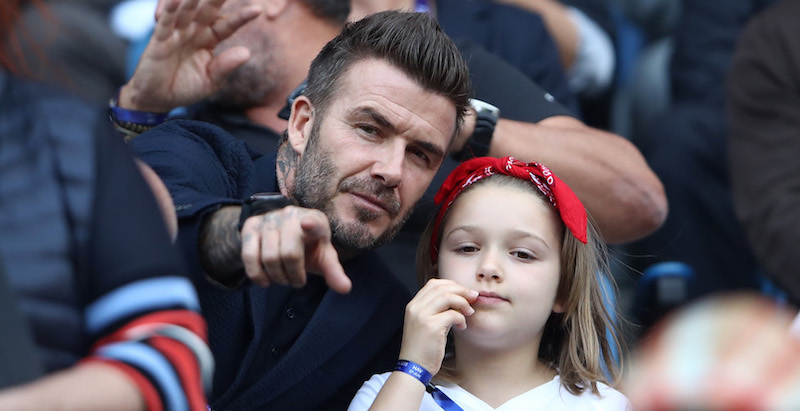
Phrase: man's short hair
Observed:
(412, 42)
(335, 11)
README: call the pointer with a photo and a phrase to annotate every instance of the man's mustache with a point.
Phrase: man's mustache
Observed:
(373, 188)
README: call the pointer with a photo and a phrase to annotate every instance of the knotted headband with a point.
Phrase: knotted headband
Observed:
(569, 207)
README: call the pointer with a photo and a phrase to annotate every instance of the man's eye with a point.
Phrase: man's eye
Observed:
(368, 129)
(421, 155)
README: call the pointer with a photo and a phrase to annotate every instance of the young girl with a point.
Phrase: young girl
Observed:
(513, 267)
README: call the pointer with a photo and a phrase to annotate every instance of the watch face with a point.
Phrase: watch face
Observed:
(478, 143)
(265, 196)
(488, 110)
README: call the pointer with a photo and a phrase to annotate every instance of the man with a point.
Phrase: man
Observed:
(763, 114)
(385, 100)
(607, 171)
(702, 230)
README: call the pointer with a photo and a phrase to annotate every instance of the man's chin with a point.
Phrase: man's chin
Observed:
(353, 234)
(357, 237)
(353, 237)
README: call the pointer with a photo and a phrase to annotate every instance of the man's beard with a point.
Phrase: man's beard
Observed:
(312, 189)
(249, 84)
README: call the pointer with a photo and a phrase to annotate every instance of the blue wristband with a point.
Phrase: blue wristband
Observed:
(133, 122)
(415, 370)
(143, 118)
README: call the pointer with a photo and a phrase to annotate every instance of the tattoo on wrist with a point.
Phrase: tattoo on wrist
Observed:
(221, 245)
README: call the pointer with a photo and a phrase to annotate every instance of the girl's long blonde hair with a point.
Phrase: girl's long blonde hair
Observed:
(582, 341)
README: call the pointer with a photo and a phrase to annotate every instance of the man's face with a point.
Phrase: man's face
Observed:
(369, 159)
(251, 83)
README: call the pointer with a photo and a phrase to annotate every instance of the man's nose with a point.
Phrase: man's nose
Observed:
(388, 167)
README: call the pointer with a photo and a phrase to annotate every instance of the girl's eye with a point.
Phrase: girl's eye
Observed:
(522, 255)
(466, 249)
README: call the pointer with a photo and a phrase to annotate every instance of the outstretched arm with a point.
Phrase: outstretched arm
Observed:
(276, 247)
(179, 65)
(606, 171)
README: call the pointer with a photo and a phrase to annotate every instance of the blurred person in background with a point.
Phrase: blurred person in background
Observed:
(763, 102)
(585, 47)
(687, 147)
(71, 45)
(584, 32)
(725, 352)
(105, 317)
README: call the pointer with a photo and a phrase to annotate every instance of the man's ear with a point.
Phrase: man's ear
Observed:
(301, 121)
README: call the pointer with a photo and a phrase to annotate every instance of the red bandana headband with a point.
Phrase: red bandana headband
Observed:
(569, 207)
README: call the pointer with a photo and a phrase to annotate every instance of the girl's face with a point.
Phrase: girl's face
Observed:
(504, 243)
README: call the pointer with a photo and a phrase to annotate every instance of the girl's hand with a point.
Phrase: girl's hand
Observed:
(439, 305)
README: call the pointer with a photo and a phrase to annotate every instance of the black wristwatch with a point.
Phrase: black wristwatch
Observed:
(478, 143)
(262, 203)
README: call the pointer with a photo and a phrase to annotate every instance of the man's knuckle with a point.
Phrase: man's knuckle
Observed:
(270, 261)
(292, 256)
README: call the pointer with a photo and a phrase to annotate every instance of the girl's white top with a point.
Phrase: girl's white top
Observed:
(548, 396)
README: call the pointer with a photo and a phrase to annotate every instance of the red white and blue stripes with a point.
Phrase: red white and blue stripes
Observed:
(153, 332)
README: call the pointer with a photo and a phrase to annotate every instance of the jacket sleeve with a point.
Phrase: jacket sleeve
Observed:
(142, 312)
(204, 168)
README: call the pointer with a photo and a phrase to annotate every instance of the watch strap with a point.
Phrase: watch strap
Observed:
(479, 142)
(262, 203)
